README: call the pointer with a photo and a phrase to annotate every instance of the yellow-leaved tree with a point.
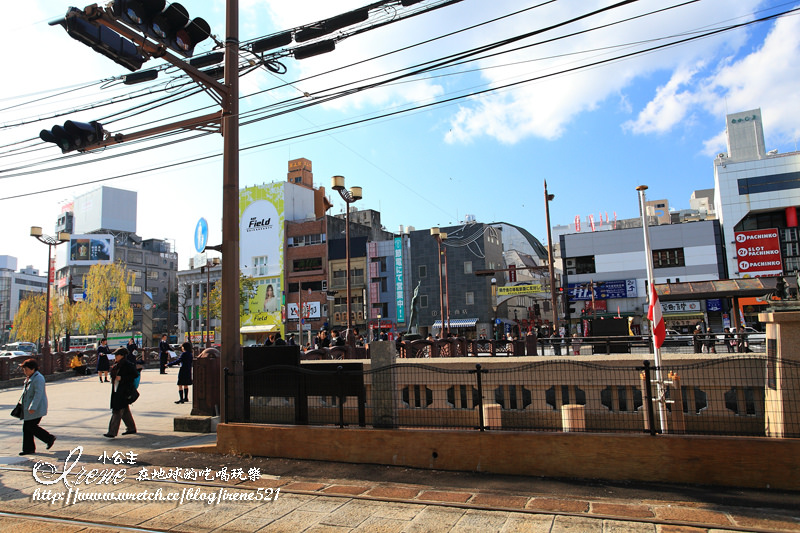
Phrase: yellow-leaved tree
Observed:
(107, 306)
(63, 316)
(29, 320)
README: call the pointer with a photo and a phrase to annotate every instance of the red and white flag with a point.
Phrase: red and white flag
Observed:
(656, 318)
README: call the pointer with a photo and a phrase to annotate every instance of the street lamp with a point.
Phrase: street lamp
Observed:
(349, 197)
(494, 307)
(51, 242)
(547, 199)
(209, 263)
(441, 236)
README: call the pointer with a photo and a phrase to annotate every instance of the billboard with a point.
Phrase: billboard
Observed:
(758, 253)
(603, 290)
(91, 249)
(261, 217)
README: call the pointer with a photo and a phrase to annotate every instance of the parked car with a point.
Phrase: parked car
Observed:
(754, 336)
(674, 338)
(13, 353)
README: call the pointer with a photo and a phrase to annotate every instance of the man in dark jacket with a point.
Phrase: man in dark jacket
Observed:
(163, 347)
(123, 393)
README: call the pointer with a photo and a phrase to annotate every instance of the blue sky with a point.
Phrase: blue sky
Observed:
(594, 134)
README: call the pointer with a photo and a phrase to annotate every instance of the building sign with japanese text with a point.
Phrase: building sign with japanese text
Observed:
(399, 282)
(692, 306)
(603, 290)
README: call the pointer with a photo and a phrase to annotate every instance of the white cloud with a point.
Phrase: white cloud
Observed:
(670, 106)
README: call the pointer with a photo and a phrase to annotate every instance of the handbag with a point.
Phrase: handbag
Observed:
(133, 396)
(17, 411)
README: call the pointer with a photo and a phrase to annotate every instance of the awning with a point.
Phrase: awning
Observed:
(253, 330)
(457, 323)
(682, 316)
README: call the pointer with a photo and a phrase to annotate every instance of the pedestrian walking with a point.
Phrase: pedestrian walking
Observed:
(163, 348)
(555, 341)
(132, 348)
(185, 372)
(123, 394)
(576, 344)
(103, 360)
(730, 340)
(34, 407)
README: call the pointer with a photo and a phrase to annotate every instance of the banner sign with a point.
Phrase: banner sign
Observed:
(692, 306)
(310, 310)
(758, 253)
(603, 290)
(512, 290)
(399, 282)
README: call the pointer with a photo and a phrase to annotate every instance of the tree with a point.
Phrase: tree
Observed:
(29, 320)
(247, 289)
(64, 316)
(107, 306)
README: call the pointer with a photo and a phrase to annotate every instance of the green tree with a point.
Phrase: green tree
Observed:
(107, 306)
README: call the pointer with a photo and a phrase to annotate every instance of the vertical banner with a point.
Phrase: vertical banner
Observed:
(261, 217)
(399, 282)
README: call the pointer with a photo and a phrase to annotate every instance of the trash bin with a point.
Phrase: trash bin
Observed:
(205, 390)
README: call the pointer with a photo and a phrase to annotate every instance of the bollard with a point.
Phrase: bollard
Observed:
(573, 417)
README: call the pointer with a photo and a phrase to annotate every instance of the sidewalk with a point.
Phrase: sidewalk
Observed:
(316, 496)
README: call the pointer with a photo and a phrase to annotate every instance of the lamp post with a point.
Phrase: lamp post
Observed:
(547, 199)
(51, 242)
(209, 264)
(494, 307)
(445, 326)
(349, 197)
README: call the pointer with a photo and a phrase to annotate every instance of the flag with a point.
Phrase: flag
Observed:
(656, 318)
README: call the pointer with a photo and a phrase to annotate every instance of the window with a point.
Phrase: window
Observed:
(309, 263)
(585, 265)
(260, 267)
(467, 267)
(470, 298)
(423, 271)
(668, 258)
(423, 300)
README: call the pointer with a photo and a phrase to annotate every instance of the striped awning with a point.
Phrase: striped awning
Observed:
(457, 323)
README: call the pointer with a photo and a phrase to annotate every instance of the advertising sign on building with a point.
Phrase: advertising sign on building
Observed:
(603, 290)
(398, 280)
(310, 310)
(90, 249)
(758, 253)
(261, 215)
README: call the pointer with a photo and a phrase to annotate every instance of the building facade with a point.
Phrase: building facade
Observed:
(15, 286)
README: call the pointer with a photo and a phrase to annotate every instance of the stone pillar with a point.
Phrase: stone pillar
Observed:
(383, 396)
(573, 417)
(781, 393)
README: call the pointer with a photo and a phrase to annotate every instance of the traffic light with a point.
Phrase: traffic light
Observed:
(102, 39)
(73, 135)
(168, 24)
(780, 288)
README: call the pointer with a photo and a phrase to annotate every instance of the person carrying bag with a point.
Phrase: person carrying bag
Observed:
(32, 407)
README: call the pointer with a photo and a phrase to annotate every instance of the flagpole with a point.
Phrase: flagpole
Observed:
(648, 254)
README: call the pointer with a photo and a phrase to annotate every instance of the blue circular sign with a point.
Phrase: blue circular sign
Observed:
(201, 235)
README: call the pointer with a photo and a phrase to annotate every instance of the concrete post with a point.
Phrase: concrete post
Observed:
(781, 394)
(384, 390)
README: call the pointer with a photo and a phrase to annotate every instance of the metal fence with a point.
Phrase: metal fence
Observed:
(727, 396)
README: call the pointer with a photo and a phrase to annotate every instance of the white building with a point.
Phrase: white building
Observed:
(756, 189)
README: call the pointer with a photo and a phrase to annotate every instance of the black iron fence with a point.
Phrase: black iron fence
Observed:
(736, 395)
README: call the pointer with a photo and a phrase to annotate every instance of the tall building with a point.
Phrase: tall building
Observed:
(102, 224)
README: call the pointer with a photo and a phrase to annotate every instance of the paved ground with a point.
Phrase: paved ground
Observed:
(314, 496)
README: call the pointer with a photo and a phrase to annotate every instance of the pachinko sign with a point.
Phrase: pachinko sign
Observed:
(758, 253)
